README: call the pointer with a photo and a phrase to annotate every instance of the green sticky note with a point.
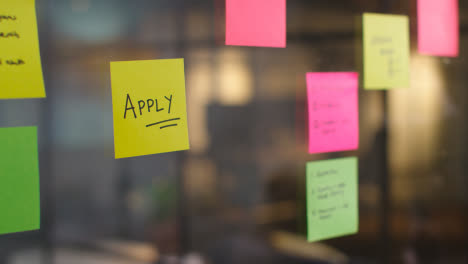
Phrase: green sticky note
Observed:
(332, 198)
(19, 180)
(386, 51)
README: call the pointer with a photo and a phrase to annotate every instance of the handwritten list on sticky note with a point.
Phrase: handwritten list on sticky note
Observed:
(333, 111)
(386, 51)
(438, 27)
(260, 23)
(20, 62)
(332, 198)
(19, 180)
(149, 107)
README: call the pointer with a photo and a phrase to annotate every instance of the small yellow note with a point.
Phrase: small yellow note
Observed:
(149, 107)
(386, 51)
(20, 62)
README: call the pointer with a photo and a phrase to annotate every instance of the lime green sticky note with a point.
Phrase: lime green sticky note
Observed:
(20, 62)
(149, 107)
(386, 51)
(332, 198)
(19, 180)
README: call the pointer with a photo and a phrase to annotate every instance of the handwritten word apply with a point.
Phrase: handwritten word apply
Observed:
(151, 105)
(147, 104)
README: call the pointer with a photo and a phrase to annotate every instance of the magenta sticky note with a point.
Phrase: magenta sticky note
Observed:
(260, 23)
(438, 27)
(333, 111)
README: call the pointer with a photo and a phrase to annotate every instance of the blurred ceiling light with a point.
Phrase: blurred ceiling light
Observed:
(199, 91)
(235, 78)
(415, 116)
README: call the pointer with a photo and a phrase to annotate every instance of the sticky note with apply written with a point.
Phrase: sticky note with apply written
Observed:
(386, 51)
(333, 111)
(438, 27)
(20, 62)
(260, 23)
(332, 198)
(19, 180)
(149, 107)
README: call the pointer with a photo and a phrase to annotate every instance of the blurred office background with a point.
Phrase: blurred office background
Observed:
(238, 195)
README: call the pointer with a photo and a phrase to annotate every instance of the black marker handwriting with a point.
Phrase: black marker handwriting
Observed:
(7, 17)
(17, 62)
(12, 34)
(148, 104)
(163, 123)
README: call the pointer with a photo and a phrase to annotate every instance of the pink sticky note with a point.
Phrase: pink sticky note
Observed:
(333, 111)
(259, 23)
(438, 27)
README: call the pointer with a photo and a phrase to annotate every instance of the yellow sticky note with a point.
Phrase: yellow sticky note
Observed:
(386, 51)
(149, 107)
(20, 61)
